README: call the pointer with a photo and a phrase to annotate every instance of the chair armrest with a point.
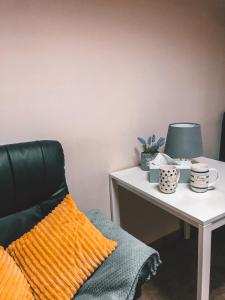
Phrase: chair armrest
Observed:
(129, 266)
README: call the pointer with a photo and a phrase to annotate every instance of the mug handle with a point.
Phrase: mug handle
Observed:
(213, 170)
(178, 175)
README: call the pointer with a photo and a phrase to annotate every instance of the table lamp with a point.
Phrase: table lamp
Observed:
(184, 141)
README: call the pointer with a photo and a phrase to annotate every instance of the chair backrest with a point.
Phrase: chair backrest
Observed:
(30, 173)
(222, 142)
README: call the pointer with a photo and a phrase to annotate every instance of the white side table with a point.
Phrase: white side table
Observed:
(205, 211)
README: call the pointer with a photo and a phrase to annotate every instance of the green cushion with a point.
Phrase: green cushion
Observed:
(15, 225)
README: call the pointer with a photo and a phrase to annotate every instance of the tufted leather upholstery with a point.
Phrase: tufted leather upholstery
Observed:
(30, 173)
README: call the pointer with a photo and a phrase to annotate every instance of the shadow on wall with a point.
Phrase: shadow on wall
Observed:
(144, 220)
(218, 12)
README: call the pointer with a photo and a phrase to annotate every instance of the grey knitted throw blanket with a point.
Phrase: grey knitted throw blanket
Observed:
(117, 277)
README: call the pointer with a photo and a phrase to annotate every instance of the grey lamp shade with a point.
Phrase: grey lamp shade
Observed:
(184, 140)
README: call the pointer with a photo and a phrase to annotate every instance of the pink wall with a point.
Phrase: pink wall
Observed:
(96, 74)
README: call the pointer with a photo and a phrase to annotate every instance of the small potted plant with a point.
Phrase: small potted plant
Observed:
(150, 150)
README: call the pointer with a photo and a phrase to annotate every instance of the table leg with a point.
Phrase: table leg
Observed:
(204, 261)
(114, 201)
(187, 231)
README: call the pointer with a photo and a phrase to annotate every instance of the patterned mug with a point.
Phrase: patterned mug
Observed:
(168, 178)
(200, 177)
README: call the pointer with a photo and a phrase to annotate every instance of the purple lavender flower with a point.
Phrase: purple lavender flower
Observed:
(153, 138)
(149, 141)
(150, 146)
(141, 140)
(161, 141)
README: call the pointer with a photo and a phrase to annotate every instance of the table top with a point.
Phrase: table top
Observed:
(197, 208)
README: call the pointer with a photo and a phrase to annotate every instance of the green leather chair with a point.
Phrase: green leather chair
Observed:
(32, 184)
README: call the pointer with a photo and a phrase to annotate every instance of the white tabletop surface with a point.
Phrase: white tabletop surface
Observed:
(202, 208)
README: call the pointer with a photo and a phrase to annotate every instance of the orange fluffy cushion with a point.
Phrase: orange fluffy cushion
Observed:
(61, 252)
(13, 284)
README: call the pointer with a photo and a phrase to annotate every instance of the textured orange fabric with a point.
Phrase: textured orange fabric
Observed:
(61, 252)
(13, 284)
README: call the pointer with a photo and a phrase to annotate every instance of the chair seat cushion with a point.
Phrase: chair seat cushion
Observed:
(118, 276)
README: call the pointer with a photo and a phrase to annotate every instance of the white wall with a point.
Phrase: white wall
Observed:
(96, 74)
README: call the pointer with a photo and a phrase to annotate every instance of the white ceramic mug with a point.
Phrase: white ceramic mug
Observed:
(201, 178)
(168, 178)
